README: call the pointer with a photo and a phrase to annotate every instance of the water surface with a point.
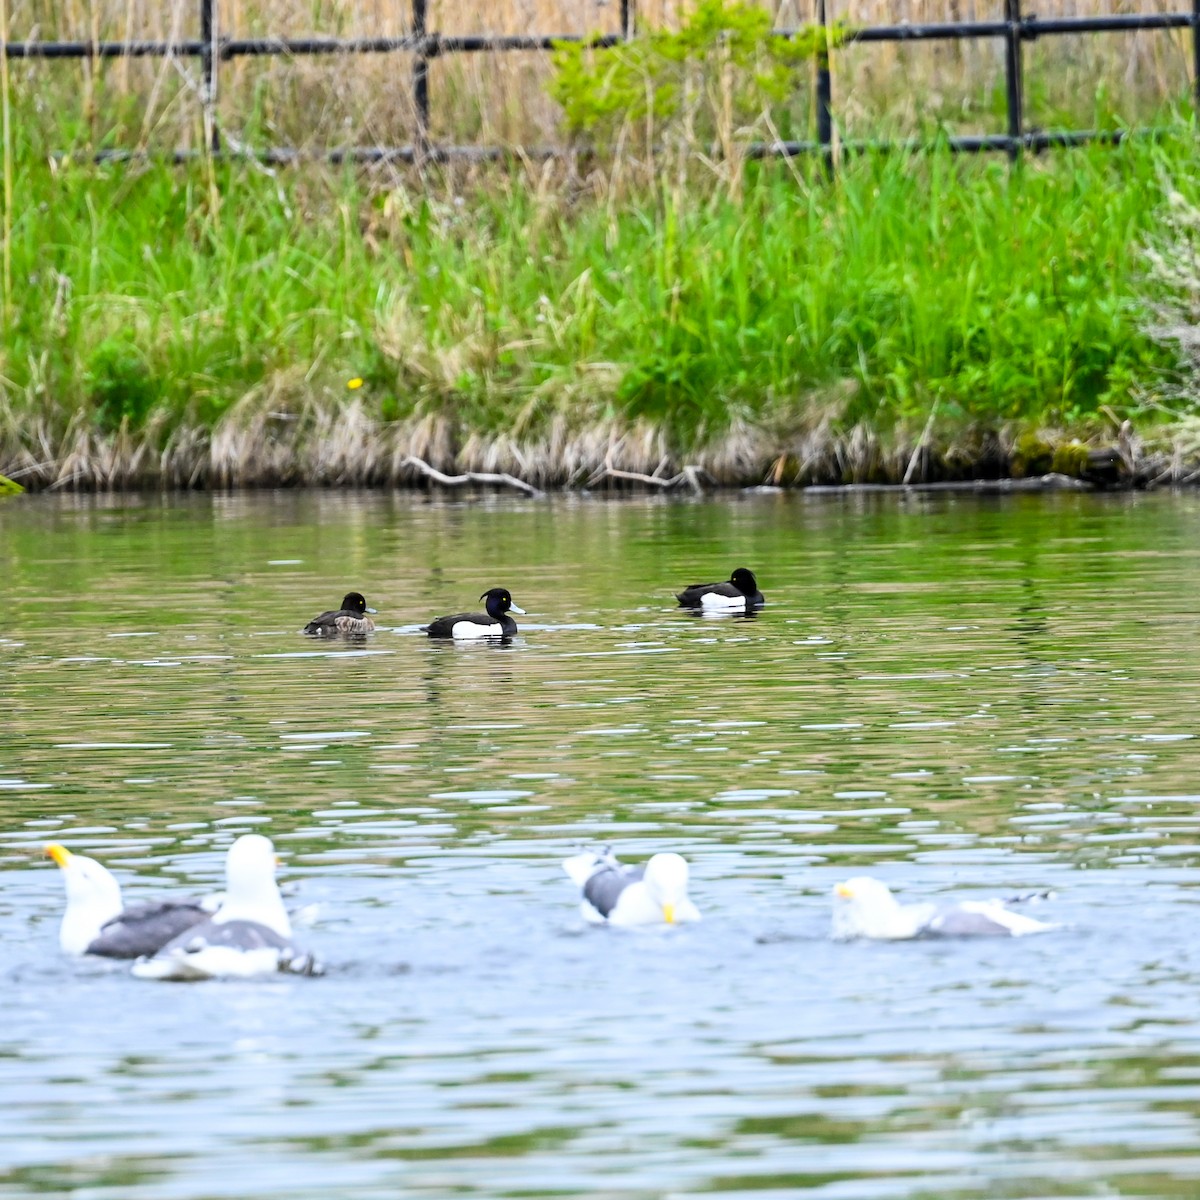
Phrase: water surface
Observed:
(965, 696)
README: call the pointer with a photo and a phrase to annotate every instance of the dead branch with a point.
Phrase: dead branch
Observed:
(689, 476)
(487, 477)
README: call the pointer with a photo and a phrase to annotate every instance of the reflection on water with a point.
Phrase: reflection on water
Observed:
(964, 696)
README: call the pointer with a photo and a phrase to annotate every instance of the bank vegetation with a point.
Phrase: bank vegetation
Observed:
(651, 302)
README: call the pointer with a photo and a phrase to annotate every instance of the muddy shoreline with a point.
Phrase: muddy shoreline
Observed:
(348, 448)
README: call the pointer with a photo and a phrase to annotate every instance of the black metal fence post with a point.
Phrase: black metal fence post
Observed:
(825, 88)
(208, 70)
(1012, 75)
(629, 18)
(1196, 51)
(421, 78)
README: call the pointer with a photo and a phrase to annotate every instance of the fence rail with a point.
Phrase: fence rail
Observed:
(1016, 29)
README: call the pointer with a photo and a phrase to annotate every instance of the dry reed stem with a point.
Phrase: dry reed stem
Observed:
(275, 437)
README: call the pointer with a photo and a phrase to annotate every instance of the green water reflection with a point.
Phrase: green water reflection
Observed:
(955, 690)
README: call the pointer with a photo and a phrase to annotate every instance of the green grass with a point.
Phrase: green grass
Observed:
(151, 296)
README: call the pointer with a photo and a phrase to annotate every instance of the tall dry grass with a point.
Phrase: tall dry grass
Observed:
(274, 438)
(501, 98)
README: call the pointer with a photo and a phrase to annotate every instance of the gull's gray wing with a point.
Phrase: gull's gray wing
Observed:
(237, 935)
(955, 921)
(146, 927)
(244, 937)
(604, 888)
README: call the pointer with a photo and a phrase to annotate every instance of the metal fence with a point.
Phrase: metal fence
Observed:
(212, 49)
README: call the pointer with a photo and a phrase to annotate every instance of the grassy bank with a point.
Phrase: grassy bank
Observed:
(203, 324)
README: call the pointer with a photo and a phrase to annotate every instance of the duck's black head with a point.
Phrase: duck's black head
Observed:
(744, 581)
(354, 602)
(498, 602)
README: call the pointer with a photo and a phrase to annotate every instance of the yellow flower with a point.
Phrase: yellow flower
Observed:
(354, 384)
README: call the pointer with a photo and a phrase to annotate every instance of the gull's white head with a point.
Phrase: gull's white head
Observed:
(93, 897)
(864, 907)
(666, 880)
(251, 893)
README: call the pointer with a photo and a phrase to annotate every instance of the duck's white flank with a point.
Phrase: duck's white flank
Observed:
(719, 603)
(476, 629)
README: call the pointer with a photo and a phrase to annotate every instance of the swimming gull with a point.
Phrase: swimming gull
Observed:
(865, 908)
(626, 895)
(96, 920)
(249, 936)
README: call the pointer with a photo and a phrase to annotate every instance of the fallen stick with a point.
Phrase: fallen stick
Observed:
(503, 480)
(690, 476)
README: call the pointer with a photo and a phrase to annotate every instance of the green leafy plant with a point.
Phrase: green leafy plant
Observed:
(721, 69)
(121, 387)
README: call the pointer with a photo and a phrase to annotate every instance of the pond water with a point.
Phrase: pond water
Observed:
(964, 696)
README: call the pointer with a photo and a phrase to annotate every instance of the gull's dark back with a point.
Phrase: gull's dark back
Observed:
(145, 928)
(604, 888)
